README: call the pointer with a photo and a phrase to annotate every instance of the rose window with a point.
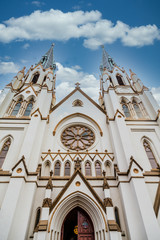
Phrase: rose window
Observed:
(77, 137)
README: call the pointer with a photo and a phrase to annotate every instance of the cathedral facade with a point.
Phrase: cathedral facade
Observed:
(77, 169)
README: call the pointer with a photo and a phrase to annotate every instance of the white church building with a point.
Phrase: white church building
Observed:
(78, 170)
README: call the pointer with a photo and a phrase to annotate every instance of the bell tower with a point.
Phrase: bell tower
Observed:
(129, 106)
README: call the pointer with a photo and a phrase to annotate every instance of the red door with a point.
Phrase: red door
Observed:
(77, 217)
(85, 227)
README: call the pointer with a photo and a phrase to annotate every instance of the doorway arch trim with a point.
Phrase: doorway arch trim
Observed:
(81, 194)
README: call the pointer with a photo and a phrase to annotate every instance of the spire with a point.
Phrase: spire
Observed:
(107, 61)
(48, 59)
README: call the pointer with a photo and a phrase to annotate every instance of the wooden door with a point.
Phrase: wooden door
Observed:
(85, 227)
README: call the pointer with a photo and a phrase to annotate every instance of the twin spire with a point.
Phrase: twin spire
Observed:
(48, 59)
(107, 61)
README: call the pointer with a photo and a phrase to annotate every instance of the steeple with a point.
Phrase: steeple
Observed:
(107, 61)
(48, 59)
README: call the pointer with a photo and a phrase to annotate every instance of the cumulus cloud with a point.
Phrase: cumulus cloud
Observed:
(67, 77)
(57, 25)
(8, 67)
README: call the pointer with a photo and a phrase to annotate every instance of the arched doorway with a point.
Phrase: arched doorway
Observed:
(77, 226)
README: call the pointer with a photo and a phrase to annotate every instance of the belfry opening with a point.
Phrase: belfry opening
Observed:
(77, 226)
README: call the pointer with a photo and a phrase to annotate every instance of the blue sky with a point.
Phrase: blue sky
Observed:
(129, 30)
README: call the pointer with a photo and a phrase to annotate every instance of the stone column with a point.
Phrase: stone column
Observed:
(114, 229)
(43, 223)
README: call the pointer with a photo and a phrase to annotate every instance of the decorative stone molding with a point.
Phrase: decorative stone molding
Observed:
(77, 164)
(113, 226)
(47, 202)
(43, 225)
(108, 202)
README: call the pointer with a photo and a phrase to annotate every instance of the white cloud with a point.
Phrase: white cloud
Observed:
(26, 45)
(8, 67)
(76, 67)
(38, 3)
(57, 25)
(156, 93)
(67, 77)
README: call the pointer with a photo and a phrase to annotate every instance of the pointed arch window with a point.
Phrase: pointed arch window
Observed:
(119, 79)
(57, 169)
(28, 108)
(126, 110)
(137, 109)
(44, 79)
(150, 154)
(110, 79)
(117, 216)
(35, 78)
(67, 169)
(4, 151)
(16, 108)
(88, 169)
(38, 214)
(98, 169)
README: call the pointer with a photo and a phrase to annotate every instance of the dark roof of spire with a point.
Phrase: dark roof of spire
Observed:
(107, 61)
(48, 59)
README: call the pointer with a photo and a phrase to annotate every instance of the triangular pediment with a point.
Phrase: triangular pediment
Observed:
(77, 183)
(77, 89)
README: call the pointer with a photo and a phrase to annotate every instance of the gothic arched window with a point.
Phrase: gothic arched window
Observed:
(110, 79)
(88, 169)
(119, 79)
(47, 168)
(35, 78)
(67, 169)
(4, 151)
(150, 154)
(44, 79)
(38, 214)
(126, 110)
(57, 169)
(137, 110)
(117, 216)
(108, 168)
(98, 169)
(28, 108)
(16, 108)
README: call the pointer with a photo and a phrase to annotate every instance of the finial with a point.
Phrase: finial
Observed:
(102, 46)
(105, 183)
(132, 73)
(49, 184)
(104, 173)
(77, 84)
(53, 45)
(51, 173)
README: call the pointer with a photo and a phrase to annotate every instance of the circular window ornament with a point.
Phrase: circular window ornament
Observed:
(77, 137)
(135, 170)
(19, 170)
(78, 183)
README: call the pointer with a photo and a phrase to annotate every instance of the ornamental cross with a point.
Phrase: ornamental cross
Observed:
(77, 84)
